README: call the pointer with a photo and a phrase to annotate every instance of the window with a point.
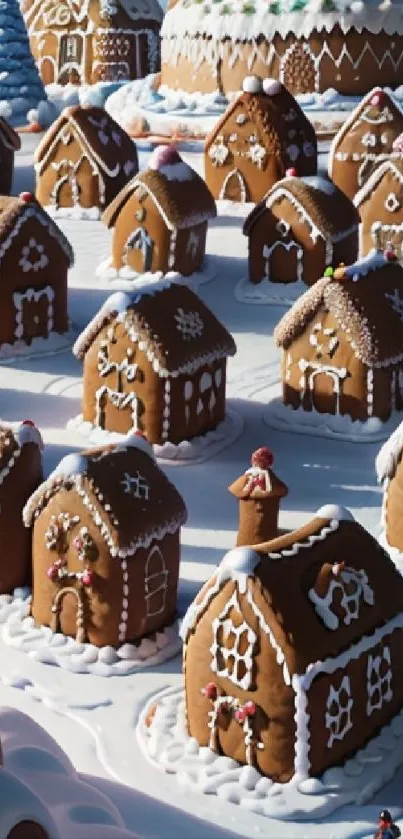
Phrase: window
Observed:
(339, 704)
(282, 227)
(379, 678)
(352, 590)
(233, 645)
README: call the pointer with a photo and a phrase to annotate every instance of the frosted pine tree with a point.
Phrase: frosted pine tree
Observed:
(21, 89)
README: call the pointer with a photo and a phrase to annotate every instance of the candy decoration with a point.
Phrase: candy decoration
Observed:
(210, 691)
(52, 573)
(340, 272)
(291, 173)
(240, 715)
(338, 567)
(26, 197)
(263, 458)
(28, 422)
(377, 99)
(249, 708)
(329, 272)
(88, 577)
(390, 253)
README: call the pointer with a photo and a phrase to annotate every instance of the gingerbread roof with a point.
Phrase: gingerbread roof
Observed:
(181, 196)
(174, 327)
(281, 579)
(390, 455)
(8, 137)
(319, 202)
(379, 106)
(128, 496)
(15, 210)
(12, 442)
(274, 111)
(394, 167)
(104, 141)
(367, 303)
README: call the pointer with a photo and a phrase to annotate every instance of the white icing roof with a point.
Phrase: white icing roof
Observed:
(389, 455)
(192, 17)
(334, 512)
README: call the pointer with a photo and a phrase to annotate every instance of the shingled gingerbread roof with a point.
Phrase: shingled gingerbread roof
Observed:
(176, 329)
(367, 303)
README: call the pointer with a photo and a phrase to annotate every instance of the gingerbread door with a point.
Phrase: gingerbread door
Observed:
(141, 242)
(234, 187)
(116, 411)
(325, 386)
(155, 582)
(283, 262)
(70, 59)
(34, 313)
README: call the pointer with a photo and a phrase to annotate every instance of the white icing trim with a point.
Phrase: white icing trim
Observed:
(375, 178)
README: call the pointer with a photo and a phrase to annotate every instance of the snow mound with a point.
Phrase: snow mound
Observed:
(188, 452)
(268, 294)
(54, 344)
(41, 644)
(39, 783)
(126, 279)
(166, 743)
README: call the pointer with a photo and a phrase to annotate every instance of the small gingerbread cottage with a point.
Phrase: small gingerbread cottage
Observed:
(90, 41)
(342, 342)
(380, 205)
(365, 139)
(293, 650)
(155, 361)
(262, 133)
(300, 228)
(20, 475)
(82, 162)
(9, 143)
(390, 475)
(160, 218)
(34, 260)
(259, 492)
(106, 545)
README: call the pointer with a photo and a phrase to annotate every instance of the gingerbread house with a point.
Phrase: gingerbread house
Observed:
(300, 228)
(82, 162)
(106, 545)
(342, 342)
(293, 649)
(9, 143)
(380, 205)
(389, 473)
(310, 45)
(259, 492)
(262, 133)
(160, 218)
(34, 260)
(365, 139)
(20, 475)
(88, 41)
(155, 360)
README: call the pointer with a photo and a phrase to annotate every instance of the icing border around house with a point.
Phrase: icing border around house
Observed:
(18, 630)
(188, 452)
(167, 745)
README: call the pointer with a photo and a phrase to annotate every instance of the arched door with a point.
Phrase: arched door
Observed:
(234, 187)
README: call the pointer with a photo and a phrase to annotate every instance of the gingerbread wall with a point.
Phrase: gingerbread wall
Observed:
(197, 401)
(134, 214)
(190, 248)
(148, 386)
(46, 277)
(103, 599)
(382, 216)
(273, 723)
(15, 490)
(76, 180)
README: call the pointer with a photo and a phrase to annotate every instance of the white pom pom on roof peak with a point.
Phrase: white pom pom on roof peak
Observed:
(271, 87)
(334, 512)
(252, 84)
(241, 560)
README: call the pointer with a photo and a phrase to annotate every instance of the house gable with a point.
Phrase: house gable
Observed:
(390, 172)
(369, 132)
(33, 256)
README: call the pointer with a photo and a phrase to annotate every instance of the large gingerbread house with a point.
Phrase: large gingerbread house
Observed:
(160, 218)
(293, 649)
(82, 162)
(20, 475)
(155, 360)
(88, 41)
(365, 139)
(310, 45)
(342, 342)
(34, 260)
(300, 228)
(389, 471)
(380, 205)
(9, 143)
(106, 545)
(262, 133)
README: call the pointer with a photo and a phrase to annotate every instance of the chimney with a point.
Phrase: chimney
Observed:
(259, 492)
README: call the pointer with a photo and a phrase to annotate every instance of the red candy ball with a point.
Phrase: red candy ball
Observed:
(210, 691)
(377, 98)
(240, 715)
(88, 578)
(249, 709)
(28, 422)
(263, 458)
(27, 197)
(291, 173)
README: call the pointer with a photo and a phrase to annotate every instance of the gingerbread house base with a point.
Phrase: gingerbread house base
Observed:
(78, 213)
(41, 644)
(333, 426)
(125, 279)
(163, 737)
(197, 450)
(266, 293)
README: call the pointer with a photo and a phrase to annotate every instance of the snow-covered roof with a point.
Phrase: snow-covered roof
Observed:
(246, 21)
(15, 211)
(395, 167)
(389, 455)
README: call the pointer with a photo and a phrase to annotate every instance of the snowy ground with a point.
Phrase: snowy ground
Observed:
(94, 719)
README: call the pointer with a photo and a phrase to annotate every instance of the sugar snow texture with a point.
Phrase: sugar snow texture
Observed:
(170, 749)
(21, 89)
(41, 644)
(127, 279)
(39, 783)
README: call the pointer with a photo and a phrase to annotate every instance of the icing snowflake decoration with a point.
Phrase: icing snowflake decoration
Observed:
(189, 324)
(354, 589)
(103, 131)
(33, 256)
(325, 340)
(339, 705)
(218, 153)
(396, 301)
(136, 485)
(257, 154)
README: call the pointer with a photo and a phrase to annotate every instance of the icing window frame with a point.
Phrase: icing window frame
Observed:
(283, 227)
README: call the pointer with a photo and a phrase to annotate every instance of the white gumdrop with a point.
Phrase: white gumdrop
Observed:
(252, 84)
(271, 87)
(334, 512)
